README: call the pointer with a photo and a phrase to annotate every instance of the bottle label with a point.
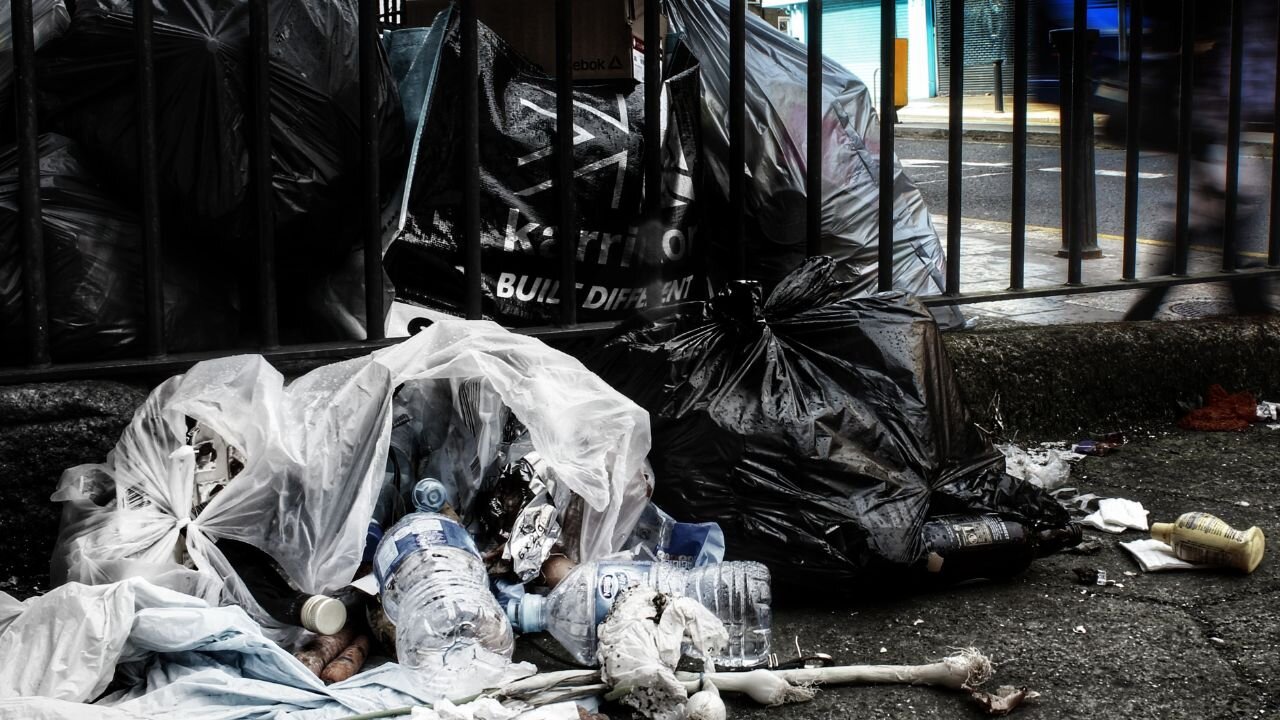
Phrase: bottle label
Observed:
(980, 530)
(1194, 552)
(611, 580)
(1210, 525)
(422, 534)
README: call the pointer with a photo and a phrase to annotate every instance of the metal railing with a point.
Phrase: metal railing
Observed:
(371, 12)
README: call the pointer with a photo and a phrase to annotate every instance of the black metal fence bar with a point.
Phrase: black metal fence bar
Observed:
(738, 134)
(652, 216)
(955, 148)
(1077, 175)
(29, 222)
(1018, 194)
(371, 208)
(471, 160)
(306, 353)
(1133, 112)
(1186, 69)
(997, 83)
(568, 230)
(153, 290)
(260, 130)
(813, 142)
(888, 115)
(1231, 199)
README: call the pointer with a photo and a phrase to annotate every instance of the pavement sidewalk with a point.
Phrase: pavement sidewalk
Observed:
(928, 119)
(984, 267)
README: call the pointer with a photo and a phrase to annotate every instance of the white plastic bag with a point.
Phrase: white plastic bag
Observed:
(592, 437)
(314, 455)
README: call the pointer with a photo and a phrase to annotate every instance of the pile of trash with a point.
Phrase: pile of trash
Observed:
(378, 532)
(376, 535)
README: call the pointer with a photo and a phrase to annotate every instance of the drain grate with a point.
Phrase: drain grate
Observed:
(1202, 308)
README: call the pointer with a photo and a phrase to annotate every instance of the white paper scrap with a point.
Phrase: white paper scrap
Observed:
(1154, 556)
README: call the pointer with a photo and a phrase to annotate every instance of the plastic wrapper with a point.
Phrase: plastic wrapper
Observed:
(314, 456)
(619, 252)
(776, 137)
(820, 430)
(658, 537)
(94, 269)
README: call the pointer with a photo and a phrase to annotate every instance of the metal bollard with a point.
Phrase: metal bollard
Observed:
(1076, 146)
(997, 68)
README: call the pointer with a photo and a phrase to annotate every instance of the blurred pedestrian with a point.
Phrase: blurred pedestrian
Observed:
(1211, 30)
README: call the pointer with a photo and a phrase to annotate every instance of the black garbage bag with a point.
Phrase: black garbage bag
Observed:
(50, 20)
(820, 430)
(617, 248)
(88, 91)
(776, 137)
(93, 270)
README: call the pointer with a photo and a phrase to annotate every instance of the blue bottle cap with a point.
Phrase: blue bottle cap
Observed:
(430, 495)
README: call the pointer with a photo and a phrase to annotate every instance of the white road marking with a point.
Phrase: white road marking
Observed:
(930, 163)
(1113, 173)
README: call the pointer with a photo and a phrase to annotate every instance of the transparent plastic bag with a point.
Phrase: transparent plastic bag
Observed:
(314, 456)
(593, 439)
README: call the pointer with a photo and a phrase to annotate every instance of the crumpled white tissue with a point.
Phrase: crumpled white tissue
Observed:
(640, 645)
(1115, 515)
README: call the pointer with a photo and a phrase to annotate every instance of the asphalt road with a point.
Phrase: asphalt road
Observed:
(1189, 645)
(988, 183)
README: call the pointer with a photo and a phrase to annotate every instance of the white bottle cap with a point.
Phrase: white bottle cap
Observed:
(323, 614)
(528, 614)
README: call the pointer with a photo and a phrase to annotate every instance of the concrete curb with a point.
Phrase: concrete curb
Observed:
(1036, 135)
(1040, 135)
(1063, 381)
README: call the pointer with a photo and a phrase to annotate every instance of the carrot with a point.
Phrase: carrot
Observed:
(324, 648)
(348, 663)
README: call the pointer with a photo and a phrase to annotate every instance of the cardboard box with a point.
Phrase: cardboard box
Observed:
(605, 32)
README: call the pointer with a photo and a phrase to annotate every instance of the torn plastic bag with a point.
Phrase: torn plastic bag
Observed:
(174, 656)
(88, 91)
(94, 269)
(820, 430)
(314, 455)
(616, 249)
(775, 140)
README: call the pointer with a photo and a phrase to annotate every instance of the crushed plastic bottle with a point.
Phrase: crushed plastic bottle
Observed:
(436, 592)
(738, 593)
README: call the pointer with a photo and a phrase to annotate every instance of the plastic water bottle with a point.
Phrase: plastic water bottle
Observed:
(436, 592)
(736, 592)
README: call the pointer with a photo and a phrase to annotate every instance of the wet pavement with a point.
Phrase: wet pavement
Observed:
(1202, 645)
(1194, 645)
